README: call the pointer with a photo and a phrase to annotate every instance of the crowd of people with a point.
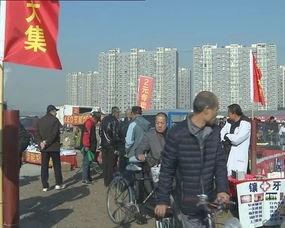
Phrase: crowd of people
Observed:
(195, 156)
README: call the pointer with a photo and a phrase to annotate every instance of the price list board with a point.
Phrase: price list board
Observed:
(259, 202)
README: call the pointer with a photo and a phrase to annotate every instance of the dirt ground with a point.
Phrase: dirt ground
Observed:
(76, 206)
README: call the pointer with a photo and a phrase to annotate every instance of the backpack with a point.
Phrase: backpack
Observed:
(24, 138)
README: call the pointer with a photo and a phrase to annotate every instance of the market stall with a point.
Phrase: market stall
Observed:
(33, 155)
(261, 194)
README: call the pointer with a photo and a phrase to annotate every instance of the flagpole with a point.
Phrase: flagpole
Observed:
(1, 140)
(254, 107)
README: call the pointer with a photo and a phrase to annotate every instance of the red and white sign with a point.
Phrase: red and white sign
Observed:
(28, 33)
(76, 119)
(260, 201)
(145, 92)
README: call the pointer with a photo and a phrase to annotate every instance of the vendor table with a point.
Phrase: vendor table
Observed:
(34, 157)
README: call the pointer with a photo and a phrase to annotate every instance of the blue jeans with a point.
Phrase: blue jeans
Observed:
(85, 167)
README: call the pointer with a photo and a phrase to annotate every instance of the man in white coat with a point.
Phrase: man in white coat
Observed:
(235, 136)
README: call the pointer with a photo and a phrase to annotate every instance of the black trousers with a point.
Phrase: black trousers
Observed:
(109, 163)
(55, 156)
(144, 185)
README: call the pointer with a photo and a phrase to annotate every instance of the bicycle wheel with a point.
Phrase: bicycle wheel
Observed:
(119, 196)
(165, 223)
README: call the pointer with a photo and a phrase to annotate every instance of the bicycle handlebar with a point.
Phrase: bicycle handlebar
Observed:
(202, 200)
(169, 213)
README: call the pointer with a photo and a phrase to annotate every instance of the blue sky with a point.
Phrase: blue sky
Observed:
(87, 28)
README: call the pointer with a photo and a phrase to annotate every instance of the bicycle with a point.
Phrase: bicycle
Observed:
(211, 207)
(121, 202)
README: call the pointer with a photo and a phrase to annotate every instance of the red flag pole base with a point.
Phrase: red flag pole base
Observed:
(11, 169)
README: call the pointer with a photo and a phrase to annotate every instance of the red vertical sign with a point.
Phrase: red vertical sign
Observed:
(145, 92)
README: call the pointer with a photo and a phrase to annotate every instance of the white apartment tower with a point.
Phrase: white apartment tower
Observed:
(225, 71)
(120, 72)
(82, 88)
(281, 88)
(184, 88)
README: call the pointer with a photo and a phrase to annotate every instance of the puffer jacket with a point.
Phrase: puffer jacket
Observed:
(182, 157)
(109, 132)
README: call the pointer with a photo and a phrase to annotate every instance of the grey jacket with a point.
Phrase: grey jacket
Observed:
(135, 133)
(152, 144)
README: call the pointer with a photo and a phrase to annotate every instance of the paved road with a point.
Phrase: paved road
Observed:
(76, 206)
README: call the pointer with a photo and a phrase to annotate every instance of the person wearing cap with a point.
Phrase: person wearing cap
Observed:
(48, 139)
(89, 144)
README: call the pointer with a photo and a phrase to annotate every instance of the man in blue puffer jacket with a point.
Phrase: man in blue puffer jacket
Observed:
(193, 154)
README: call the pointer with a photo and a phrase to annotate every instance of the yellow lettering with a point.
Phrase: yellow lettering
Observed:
(34, 14)
(36, 39)
(143, 105)
(144, 97)
(145, 90)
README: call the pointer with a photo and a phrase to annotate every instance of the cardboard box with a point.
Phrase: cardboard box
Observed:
(65, 166)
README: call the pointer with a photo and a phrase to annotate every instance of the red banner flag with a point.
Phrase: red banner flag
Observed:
(145, 92)
(257, 94)
(30, 33)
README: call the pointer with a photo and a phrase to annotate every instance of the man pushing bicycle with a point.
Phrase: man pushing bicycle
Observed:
(193, 154)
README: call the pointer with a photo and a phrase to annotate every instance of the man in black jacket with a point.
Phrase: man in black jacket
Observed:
(193, 153)
(110, 142)
(48, 138)
(124, 124)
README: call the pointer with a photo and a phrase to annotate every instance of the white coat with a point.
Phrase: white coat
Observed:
(240, 140)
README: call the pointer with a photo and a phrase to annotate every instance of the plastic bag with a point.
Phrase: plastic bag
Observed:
(155, 170)
(90, 154)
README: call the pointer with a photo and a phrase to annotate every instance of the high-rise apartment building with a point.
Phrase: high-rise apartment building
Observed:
(120, 72)
(281, 88)
(183, 89)
(226, 72)
(82, 88)
(71, 88)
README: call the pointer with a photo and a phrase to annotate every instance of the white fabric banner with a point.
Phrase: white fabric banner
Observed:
(2, 29)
